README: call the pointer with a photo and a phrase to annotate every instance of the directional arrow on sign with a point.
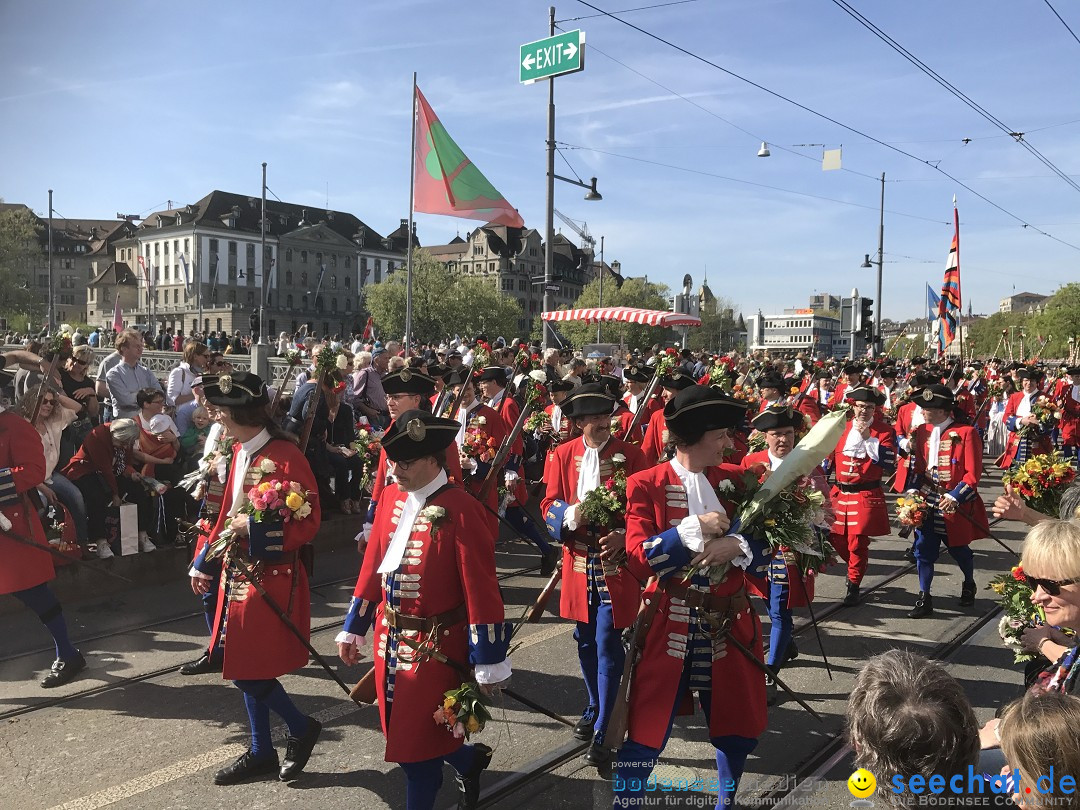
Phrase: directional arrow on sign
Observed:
(571, 50)
(528, 62)
(554, 56)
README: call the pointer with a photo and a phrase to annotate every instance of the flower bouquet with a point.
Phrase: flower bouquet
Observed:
(1019, 611)
(605, 506)
(1041, 481)
(911, 510)
(478, 445)
(667, 361)
(526, 362)
(995, 389)
(367, 447)
(745, 393)
(464, 711)
(718, 373)
(537, 422)
(288, 500)
(536, 393)
(1046, 412)
(481, 355)
(756, 443)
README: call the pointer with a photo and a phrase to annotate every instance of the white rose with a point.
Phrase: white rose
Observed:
(303, 511)
(618, 458)
(538, 375)
(267, 466)
(725, 486)
(481, 420)
(342, 362)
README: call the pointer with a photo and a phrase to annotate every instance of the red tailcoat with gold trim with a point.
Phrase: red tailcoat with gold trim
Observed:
(21, 567)
(382, 476)
(1070, 418)
(562, 481)
(656, 436)
(959, 470)
(904, 415)
(496, 430)
(257, 643)
(509, 411)
(656, 503)
(654, 405)
(448, 563)
(863, 512)
(621, 420)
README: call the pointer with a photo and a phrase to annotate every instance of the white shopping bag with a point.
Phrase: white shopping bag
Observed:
(129, 529)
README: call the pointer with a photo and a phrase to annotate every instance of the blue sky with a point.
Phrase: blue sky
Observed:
(121, 106)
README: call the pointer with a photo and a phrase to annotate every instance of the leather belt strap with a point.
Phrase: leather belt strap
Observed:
(704, 600)
(424, 624)
(865, 486)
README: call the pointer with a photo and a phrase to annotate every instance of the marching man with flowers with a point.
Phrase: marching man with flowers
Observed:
(1029, 419)
(598, 592)
(429, 595)
(945, 465)
(677, 533)
(269, 514)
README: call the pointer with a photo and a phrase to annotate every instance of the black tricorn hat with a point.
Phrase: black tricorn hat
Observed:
(772, 380)
(612, 383)
(1029, 374)
(888, 371)
(560, 385)
(778, 416)
(852, 368)
(935, 396)
(458, 376)
(677, 381)
(637, 373)
(415, 434)
(864, 393)
(238, 389)
(493, 373)
(408, 381)
(588, 400)
(701, 408)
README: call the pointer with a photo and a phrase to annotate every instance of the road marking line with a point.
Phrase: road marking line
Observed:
(187, 767)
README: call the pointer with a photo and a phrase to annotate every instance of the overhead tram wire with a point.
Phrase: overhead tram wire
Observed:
(874, 208)
(717, 116)
(1067, 28)
(952, 89)
(627, 11)
(1027, 225)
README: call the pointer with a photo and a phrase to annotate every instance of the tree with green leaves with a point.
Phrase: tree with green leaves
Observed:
(20, 255)
(444, 304)
(634, 292)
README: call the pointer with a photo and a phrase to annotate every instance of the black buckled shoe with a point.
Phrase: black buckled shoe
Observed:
(909, 555)
(63, 671)
(924, 606)
(601, 758)
(771, 690)
(967, 594)
(583, 728)
(851, 598)
(468, 784)
(246, 767)
(298, 751)
(548, 560)
(202, 666)
(792, 651)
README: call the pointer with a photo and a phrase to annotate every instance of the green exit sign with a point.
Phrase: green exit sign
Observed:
(553, 56)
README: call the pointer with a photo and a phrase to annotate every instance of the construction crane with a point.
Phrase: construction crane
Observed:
(581, 230)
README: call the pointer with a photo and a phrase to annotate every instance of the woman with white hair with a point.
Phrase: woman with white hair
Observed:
(102, 470)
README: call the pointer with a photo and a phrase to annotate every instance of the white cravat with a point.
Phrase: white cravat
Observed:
(933, 446)
(495, 400)
(210, 446)
(414, 502)
(917, 418)
(241, 461)
(633, 403)
(556, 418)
(589, 475)
(774, 461)
(700, 496)
(887, 391)
(855, 446)
(463, 418)
(1024, 408)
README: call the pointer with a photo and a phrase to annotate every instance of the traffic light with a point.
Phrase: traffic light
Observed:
(866, 318)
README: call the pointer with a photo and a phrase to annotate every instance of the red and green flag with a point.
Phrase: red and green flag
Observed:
(447, 182)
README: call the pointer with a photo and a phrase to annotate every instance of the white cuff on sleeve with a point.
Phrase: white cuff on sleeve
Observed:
(904, 443)
(570, 517)
(873, 448)
(492, 673)
(195, 572)
(690, 533)
(746, 556)
(350, 638)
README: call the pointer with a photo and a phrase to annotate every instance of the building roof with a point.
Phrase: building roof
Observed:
(115, 273)
(95, 234)
(218, 207)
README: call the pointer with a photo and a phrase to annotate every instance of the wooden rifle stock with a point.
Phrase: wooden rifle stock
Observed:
(645, 400)
(364, 691)
(620, 713)
(536, 612)
(457, 400)
(491, 479)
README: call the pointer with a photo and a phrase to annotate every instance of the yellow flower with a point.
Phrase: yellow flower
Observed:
(997, 587)
(770, 522)
(294, 501)
(266, 486)
(472, 725)
(900, 501)
(448, 704)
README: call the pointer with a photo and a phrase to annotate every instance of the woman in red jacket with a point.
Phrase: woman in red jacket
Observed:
(26, 571)
(258, 645)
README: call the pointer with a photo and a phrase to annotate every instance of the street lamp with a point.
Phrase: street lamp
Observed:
(591, 194)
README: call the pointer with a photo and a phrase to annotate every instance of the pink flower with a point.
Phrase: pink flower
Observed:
(284, 513)
(440, 715)
(459, 730)
(259, 503)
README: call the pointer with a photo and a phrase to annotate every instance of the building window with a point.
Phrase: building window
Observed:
(232, 296)
(219, 324)
(288, 302)
(348, 282)
(348, 305)
(157, 245)
(389, 266)
(232, 248)
(333, 260)
(288, 277)
(187, 249)
(213, 247)
(491, 267)
(251, 299)
(288, 254)
(378, 270)
(304, 303)
(303, 257)
(333, 305)
(176, 296)
(318, 258)
(348, 262)
(522, 286)
(333, 281)
(303, 278)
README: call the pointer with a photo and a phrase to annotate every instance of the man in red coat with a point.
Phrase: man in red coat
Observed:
(25, 571)
(476, 420)
(945, 464)
(676, 531)
(637, 379)
(492, 381)
(851, 378)
(1070, 413)
(258, 645)
(598, 592)
(1028, 436)
(865, 453)
(428, 575)
(654, 445)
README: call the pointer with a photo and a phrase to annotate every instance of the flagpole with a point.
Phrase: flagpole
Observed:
(408, 235)
(262, 262)
(959, 294)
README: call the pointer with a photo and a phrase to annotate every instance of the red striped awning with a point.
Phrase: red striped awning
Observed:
(646, 317)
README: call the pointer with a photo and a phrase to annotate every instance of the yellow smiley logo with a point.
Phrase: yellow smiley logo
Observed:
(862, 784)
